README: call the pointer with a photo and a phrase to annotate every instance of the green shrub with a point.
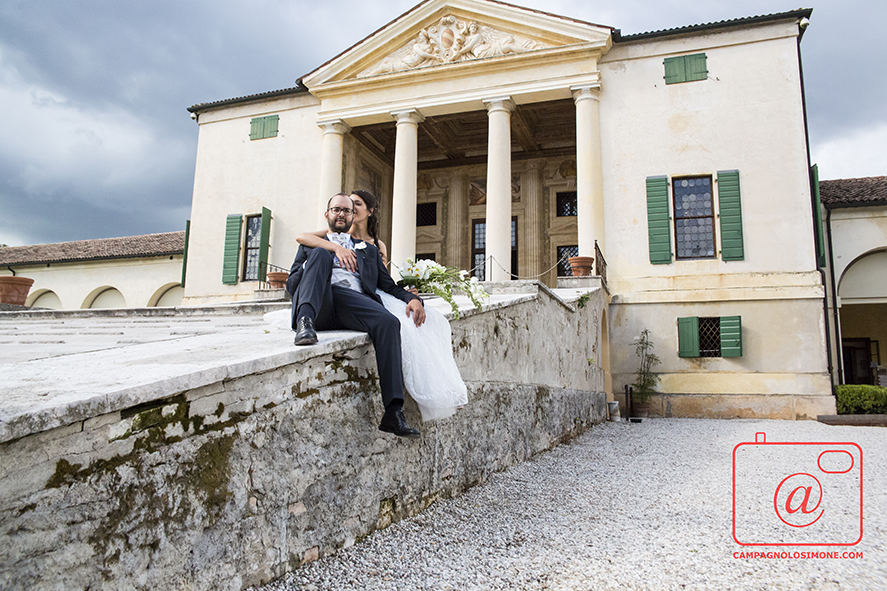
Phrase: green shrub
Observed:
(861, 400)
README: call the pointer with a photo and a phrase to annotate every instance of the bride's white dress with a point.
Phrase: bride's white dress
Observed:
(429, 370)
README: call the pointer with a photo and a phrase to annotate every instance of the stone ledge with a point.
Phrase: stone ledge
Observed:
(854, 420)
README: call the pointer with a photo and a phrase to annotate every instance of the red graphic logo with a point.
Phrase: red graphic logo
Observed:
(797, 494)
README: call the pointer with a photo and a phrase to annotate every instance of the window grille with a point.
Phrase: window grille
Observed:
(251, 248)
(566, 204)
(563, 264)
(709, 337)
(426, 214)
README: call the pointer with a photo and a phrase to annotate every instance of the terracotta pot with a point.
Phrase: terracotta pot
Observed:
(581, 266)
(14, 290)
(640, 409)
(277, 279)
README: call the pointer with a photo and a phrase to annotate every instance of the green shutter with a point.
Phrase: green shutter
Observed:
(731, 215)
(271, 122)
(264, 239)
(688, 337)
(731, 336)
(185, 254)
(817, 217)
(256, 127)
(262, 127)
(695, 66)
(674, 70)
(658, 223)
(685, 68)
(232, 249)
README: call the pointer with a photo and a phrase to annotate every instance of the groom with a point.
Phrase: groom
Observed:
(329, 296)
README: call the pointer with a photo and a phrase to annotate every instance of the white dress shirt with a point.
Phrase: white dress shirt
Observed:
(341, 276)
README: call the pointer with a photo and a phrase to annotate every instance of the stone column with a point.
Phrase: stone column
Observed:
(331, 151)
(458, 232)
(403, 203)
(531, 189)
(589, 182)
(499, 189)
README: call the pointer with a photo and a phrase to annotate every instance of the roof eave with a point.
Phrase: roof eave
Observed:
(752, 20)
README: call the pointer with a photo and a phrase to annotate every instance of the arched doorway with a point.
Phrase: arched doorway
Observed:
(863, 295)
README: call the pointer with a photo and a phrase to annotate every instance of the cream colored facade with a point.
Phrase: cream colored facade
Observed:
(489, 112)
(858, 237)
(118, 283)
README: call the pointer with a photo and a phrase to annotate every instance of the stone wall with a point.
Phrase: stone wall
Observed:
(237, 482)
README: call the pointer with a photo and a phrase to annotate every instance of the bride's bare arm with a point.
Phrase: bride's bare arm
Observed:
(317, 240)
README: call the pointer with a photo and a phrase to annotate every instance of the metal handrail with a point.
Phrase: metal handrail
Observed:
(600, 264)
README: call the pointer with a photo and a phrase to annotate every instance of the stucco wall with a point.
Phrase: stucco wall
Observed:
(140, 281)
(236, 175)
(747, 115)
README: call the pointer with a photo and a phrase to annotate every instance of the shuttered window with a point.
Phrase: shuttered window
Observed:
(685, 68)
(817, 217)
(710, 337)
(658, 226)
(731, 215)
(232, 249)
(263, 127)
(264, 243)
(185, 254)
(693, 218)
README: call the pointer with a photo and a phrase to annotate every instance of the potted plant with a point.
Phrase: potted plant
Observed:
(646, 379)
(429, 277)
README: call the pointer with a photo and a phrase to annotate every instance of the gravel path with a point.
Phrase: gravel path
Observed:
(626, 506)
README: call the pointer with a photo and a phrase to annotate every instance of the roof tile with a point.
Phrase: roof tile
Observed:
(168, 243)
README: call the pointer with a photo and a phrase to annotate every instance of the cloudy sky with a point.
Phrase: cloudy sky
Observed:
(95, 140)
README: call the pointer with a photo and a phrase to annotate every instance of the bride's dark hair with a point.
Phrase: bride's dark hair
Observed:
(373, 219)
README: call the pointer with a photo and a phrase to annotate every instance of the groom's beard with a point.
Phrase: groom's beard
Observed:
(339, 224)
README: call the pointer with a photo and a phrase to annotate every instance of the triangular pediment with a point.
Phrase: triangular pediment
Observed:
(439, 33)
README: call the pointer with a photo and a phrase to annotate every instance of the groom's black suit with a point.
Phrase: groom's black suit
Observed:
(338, 307)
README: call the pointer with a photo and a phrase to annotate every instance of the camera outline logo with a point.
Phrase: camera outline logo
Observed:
(797, 493)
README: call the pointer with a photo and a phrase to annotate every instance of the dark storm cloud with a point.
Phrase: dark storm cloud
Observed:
(95, 140)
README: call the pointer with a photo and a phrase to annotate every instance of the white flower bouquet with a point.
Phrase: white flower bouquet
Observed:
(430, 277)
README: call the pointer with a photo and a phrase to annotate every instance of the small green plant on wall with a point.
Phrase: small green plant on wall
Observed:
(646, 379)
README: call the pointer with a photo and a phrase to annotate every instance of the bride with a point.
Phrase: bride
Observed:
(429, 370)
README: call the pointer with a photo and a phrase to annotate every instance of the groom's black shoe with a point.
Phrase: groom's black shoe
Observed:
(305, 334)
(394, 422)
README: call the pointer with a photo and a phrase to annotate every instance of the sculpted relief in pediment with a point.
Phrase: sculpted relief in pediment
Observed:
(452, 40)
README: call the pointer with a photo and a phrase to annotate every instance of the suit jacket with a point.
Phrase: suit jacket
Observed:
(371, 269)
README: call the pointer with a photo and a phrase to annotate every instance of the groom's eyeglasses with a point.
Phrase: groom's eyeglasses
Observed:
(338, 210)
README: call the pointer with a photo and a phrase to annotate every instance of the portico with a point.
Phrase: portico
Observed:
(469, 112)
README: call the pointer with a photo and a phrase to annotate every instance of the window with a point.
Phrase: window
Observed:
(710, 337)
(563, 264)
(256, 243)
(263, 127)
(251, 244)
(693, 218)
(693, 203)
(479, 247)
(685, 68)
(428, 256)
(566, 204)
(426, 214)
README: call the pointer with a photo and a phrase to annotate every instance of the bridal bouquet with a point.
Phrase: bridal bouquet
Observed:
(431, 277)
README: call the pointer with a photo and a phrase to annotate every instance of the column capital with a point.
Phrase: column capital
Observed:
(336, 126)
(501, 103)
(408, 116)
(586, 91)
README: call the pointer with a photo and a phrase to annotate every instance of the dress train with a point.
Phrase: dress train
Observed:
(429, 370)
